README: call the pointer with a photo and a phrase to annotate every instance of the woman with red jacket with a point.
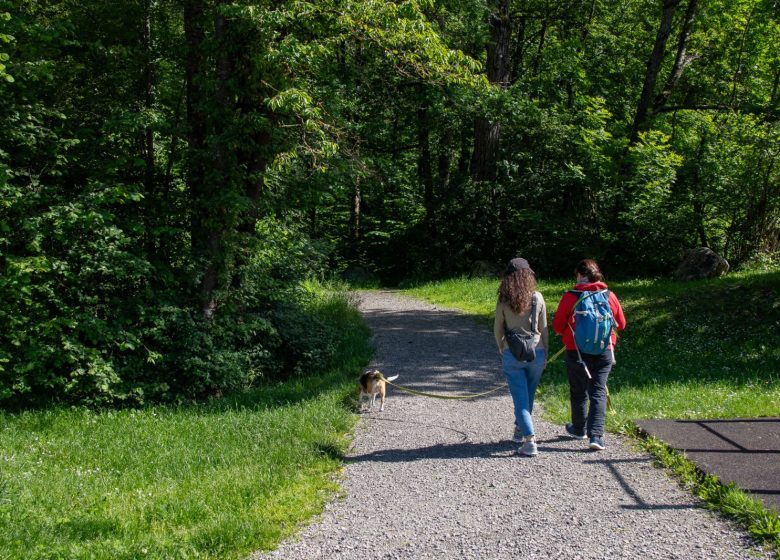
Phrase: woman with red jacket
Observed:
(587, 373)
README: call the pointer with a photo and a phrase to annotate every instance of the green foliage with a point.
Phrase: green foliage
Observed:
(67, 271)
(5, 38)
(212, 480)
(153, 156)
(659, 223)
(568, 182)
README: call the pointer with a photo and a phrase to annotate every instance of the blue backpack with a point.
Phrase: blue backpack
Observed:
(593, 321)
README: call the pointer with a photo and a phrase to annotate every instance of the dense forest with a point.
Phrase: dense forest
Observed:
(171, 171)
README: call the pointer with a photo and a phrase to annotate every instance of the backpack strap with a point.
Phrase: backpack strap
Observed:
(534, 320)
(585, 294)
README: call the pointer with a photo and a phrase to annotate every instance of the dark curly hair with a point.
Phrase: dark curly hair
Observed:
(517, 289)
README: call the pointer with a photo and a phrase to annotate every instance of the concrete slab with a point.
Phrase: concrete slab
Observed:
(745, 451)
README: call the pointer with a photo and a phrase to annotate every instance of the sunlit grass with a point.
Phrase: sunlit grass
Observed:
(201, 481)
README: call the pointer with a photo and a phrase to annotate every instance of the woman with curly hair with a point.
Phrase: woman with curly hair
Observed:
(521, 316)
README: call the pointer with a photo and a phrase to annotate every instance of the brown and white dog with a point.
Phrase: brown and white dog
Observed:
(372, 383)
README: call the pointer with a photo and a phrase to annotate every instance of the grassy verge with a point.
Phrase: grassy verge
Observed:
(209, 481)
(707, 349)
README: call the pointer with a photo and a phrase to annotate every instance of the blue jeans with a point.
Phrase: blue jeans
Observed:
(523, 378)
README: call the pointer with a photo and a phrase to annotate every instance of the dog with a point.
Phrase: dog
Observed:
(372, 383)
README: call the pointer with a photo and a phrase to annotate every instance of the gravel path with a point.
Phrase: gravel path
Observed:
(439, 478)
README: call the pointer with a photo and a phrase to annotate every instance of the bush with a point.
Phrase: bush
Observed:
(88, 322)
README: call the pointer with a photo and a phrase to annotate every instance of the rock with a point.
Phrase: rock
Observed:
(700, 263)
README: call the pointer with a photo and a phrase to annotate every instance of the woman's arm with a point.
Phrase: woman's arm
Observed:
(542, 325)
(498, 327)
(561, 318)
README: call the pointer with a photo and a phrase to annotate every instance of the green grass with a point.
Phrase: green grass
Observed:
(202, 481)
(706, 349)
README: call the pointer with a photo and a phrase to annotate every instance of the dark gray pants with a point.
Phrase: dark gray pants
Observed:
(584, 391)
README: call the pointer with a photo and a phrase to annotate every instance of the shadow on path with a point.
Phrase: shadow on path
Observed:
(435, 338)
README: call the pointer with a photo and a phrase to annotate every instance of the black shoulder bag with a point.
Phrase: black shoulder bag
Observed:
(522, 345)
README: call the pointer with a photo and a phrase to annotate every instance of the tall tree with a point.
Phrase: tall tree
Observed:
(653, 67)
(499, 68)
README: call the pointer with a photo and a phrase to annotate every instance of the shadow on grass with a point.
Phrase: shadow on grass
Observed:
(285, 393)
(87, 528)
(330, 450)
(725, 329)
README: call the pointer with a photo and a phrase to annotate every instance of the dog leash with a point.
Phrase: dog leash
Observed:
(458, 397)
(555, 356)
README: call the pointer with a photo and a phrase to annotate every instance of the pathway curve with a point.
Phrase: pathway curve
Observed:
(439, 478)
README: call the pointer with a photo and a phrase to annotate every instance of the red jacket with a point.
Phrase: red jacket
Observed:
(564, 316)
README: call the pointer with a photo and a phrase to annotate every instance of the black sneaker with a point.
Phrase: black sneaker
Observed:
(597, 443)
(571, 433)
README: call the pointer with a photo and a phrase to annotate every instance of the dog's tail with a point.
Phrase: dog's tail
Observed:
(391, 378)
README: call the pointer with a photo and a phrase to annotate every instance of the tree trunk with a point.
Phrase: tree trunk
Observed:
(759, 218)
(653, 66)
(588, 23)
(193, 32)
(517, 57)
(681, 60)
(213, 233)
(485, 154)
(772, 107)
(444, 160)
(355, 214)
(174, 145)
(773, 96)
(698, 204)
(204, 242)
(584, 34)
(424, 167)
(148, 149)
(540, 48)
(499, 67)
(738, 70)
(464, 156)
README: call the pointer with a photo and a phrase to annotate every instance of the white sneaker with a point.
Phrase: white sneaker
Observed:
(529, 449)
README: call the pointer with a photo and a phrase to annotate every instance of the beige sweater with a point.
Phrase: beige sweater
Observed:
(522, 323)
